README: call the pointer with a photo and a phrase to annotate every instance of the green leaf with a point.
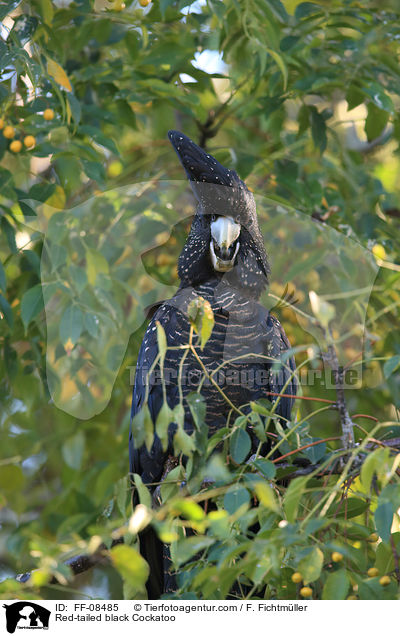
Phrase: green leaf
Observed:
(71, 324)
(75, 106)
(279, 59)
(188, 548)
(260, 408)
(379, 98)
(144, 493)
(376, 121)
(336, 586)
(303, 119)
(121, 491)
(183, 442)
(99, 138)
(161, 341)
(142, 428)
(131, 565)
(384, 519)
(189, 509)
(197, 408)
(73, 450)
(239, 445)
(384, 558)
(318, 129)
(170, 485)
(92, 324)
(72, 525)
(304, 9)
(354, 97)
(370, 590)
(94, 170)
(31, 304)
(3, 282)
(95, 264)
(267, 468)
(163, 421)
(310, 566)
(79, 278)
(390, 366)
(258, 426)
(292, 497)
(266, 496)
(354, 507)
(201, 318)
(372, 464)
(235, 498)
(6, 310)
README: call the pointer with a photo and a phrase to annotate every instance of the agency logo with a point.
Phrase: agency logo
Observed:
(26, 615)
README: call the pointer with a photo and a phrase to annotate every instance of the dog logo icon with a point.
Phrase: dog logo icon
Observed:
(26, 615)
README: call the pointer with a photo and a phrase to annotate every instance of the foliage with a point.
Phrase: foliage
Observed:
(304, 105)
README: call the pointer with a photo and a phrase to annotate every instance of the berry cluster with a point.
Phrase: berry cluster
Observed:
(27, 141)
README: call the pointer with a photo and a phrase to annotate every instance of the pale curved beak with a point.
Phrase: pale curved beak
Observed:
(224, 232)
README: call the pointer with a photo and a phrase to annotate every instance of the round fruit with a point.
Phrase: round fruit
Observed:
(306, 592)
(29, 141)
(373, 572)
(1, 123)
(144, 3)
(9, 132)
(379, 252)
(296, 577)
(114, 169)
(16, 146)
(48, 114)
(337, 557)
(373, 537)
(384, 580)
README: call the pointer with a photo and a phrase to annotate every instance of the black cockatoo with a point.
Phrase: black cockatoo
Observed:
(225, 262)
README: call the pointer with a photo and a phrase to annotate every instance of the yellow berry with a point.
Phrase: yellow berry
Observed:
(296, 577)
(373, 538)
(48, 114)
(29, 141)
(1, 123)
(16, 146)
(9, 132)
(384, 580)
(337, 557)
(373, 572)
(114, 169)
(379, 252)
(306, 592)
(144, 3)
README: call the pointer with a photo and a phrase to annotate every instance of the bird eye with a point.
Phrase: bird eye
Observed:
(213, 217)
(237, 220)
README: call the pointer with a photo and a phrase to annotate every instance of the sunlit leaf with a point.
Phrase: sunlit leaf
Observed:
(57, 72)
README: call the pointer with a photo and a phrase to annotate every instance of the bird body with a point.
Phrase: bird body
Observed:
(223, 262)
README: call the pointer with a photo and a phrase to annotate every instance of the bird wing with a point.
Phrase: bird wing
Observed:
(148, 465)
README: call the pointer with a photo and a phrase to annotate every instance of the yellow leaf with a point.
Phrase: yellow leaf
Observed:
(57, 72)
(69, 113)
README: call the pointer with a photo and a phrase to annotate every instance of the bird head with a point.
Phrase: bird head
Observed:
(225, 235)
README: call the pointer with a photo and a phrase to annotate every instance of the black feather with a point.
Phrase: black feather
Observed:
(243, 327)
